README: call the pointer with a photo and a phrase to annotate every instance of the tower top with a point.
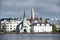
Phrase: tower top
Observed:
(24, 14)
(32, 13)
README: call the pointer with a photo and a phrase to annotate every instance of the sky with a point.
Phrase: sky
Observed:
(42, 8)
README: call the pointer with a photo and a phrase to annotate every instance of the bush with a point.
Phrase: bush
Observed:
(54, 28)
(1, 30)
(14, 31)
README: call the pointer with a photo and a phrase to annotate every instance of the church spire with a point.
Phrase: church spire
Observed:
(24, 14)
(32, 13)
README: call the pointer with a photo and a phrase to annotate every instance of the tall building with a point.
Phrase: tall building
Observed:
(24, 26)
(32, 13)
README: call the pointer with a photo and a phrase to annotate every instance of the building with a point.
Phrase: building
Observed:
(42, 28)
(56, 22)
(37, 27)
(10, 25)
(24, 25)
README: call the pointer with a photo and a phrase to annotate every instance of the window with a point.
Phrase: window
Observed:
(10, 25)
(7, 25)
(7, 28)
(14, 28)
(14, 25)
(17, 23)
(10, 28)
(25, 26)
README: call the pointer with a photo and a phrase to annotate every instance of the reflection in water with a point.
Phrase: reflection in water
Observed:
(30, 37)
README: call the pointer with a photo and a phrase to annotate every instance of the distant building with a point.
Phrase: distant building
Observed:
(57, 27)
(55, 21)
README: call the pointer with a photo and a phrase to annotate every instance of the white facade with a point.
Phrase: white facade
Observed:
(10, 25)
(25, 27)
(42, 28)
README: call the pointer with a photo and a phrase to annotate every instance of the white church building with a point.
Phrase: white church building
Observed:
(24, 26)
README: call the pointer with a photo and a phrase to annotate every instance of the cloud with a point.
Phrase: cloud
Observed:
(15, 8)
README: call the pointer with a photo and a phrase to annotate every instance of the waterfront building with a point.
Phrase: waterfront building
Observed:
(42, 28)
(10, 25)
(37, 27)
(24, 25)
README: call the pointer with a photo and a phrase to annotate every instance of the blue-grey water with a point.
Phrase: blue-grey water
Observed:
(30, 37)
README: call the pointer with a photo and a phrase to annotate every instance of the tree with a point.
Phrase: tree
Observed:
(54, 28)
(41, 19)
(14, 31)
(15, 18)
(1, 30)
(46, 20)
(10, 18)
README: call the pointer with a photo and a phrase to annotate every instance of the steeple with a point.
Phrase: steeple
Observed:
(24, 14)
(32, 13)
(24, 20)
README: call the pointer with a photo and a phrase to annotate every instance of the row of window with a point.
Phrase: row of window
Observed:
(11, 25)
(42, 26)
(11, 28)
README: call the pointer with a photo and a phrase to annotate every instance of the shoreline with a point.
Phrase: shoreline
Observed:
(28, 33)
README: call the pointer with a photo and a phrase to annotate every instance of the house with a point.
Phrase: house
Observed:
(10, 25)
(37, 27)
(42, 28)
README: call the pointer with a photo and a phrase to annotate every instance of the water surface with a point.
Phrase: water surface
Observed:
(30, 37)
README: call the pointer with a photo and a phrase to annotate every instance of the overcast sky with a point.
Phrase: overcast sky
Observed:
(42, 8)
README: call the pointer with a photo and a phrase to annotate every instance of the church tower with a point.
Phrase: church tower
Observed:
(24, 16)
(32, 14)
